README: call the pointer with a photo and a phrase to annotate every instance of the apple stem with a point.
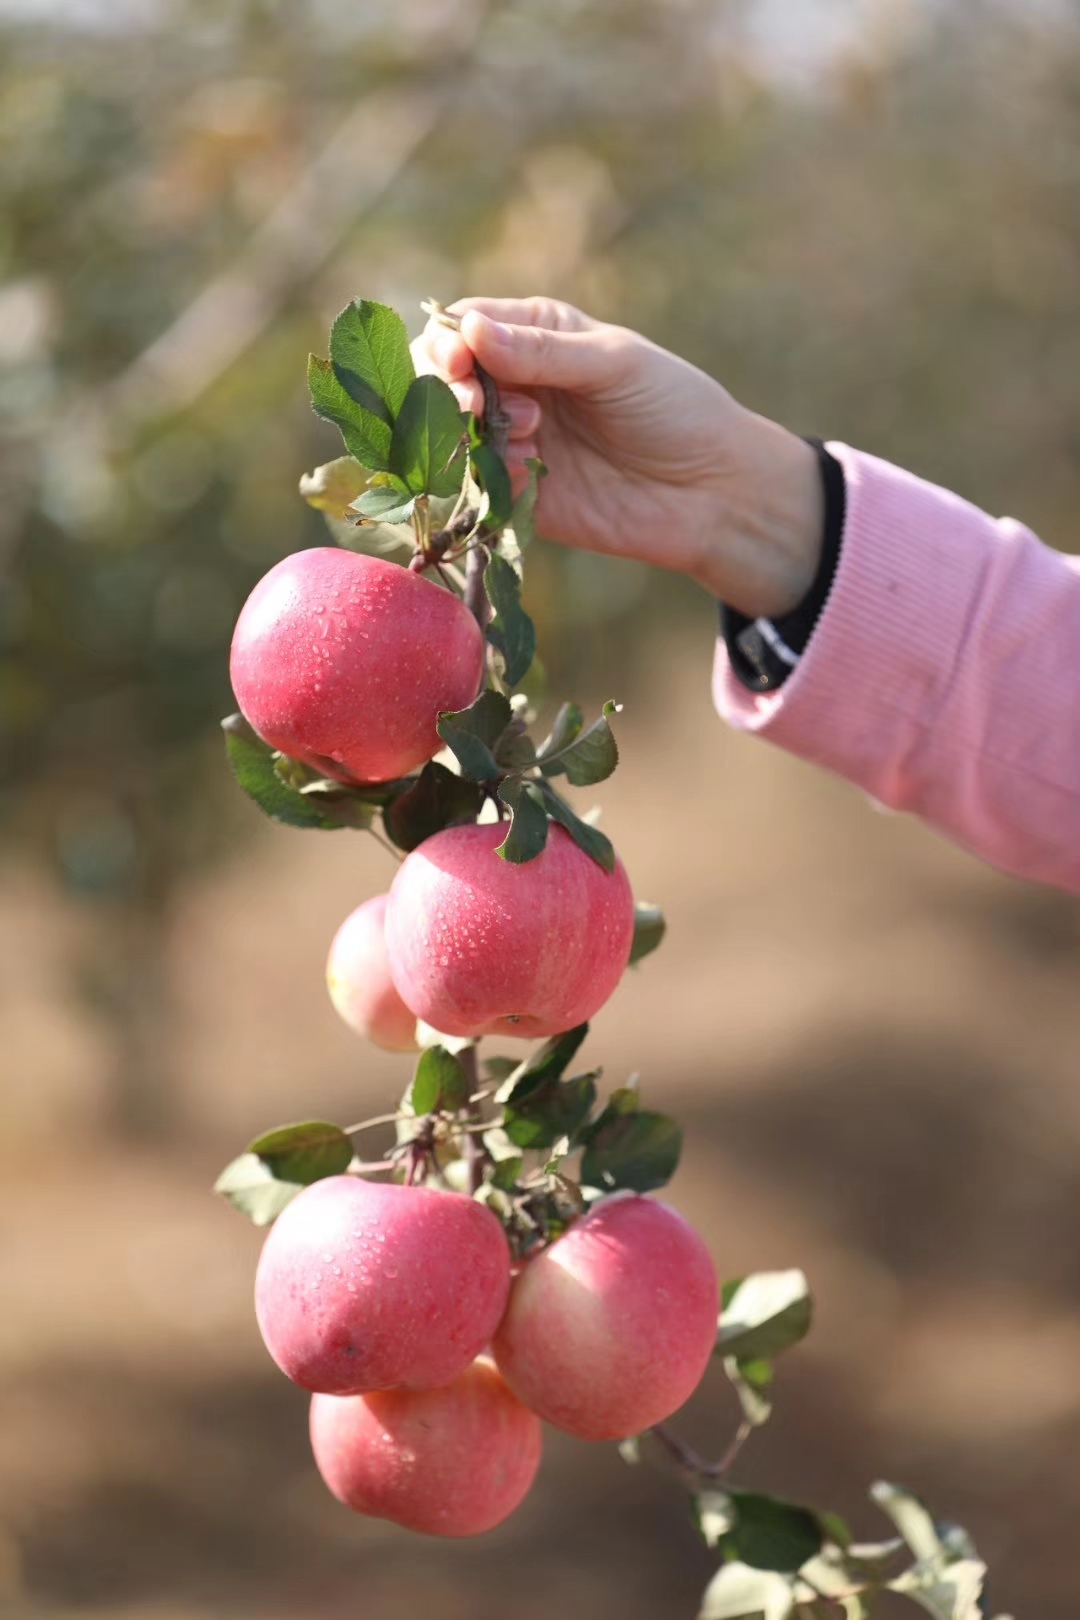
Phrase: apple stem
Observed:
(691, 1462)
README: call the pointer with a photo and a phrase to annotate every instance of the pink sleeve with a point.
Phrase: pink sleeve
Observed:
(944, 674)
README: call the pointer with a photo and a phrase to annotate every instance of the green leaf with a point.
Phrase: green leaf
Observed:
(385, 505)
(550, 1062)
(590, 839)
(950, 1593)
(437, 799)
(490, 472)
(499, 1068)
(515, 750)
(568, 722)
(440, 1083)
(333, 488)
(764, 1314)
(473, 732)
(550, 1111)
(304, 1153)
(370, 346)
(912, 1518)
(428, 434)
(254, 1190)
(366, 435)
(523, 516)
(770, 1534)
(638, 1151)
(740, 1593)
(527, 834)
(650, 926)
(752, 1381)
(590, 758)
(512, 632)
(254, 766)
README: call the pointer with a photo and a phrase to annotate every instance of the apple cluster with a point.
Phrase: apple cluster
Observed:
(432, 1346)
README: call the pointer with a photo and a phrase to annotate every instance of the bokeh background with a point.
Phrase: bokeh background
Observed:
(864, 218)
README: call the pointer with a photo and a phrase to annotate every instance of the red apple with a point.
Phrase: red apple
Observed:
(479, 946)
(362, 1286)
(449, 1462)
(345, 661)
(358, 978)
(610, 1329)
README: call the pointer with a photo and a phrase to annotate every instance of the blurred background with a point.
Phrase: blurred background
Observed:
(864, 217)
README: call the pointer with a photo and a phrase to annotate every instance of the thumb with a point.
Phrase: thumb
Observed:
(538, 357)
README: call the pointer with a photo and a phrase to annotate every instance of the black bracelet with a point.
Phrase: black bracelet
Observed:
(763, 652)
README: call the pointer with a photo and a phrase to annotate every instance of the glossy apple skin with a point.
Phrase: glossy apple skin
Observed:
(345, 661)
(359, 982)
(448, 1462)
(362, 1286)
(610, 1329)
(479, 946)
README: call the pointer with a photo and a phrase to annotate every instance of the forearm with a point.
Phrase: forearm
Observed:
(944, 674)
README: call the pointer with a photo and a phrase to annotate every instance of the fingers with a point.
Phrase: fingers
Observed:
(537, 357)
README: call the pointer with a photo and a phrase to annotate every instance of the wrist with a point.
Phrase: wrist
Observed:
(763, 548)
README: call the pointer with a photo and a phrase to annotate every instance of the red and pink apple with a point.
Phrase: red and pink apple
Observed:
(610, 1329)
(345, 662)
(362, 1286)
(448, 1462)
(358, 978)
(480, 946)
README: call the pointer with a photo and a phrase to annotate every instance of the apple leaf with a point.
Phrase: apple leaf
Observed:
(526, 837)
(764, 1314)
(436, 799)
(254, 765)
(738, 1592)
(523, 516)
(752, 1382)
(511, 632)
(590, 757)
(254, 1190)
(333, 487)
(367, 436)
(638, 1150)
(590, 839)
(544, 1113)
(473, 732)
(650, 926)
(550, 1062)
(489, 470)
(428, 434)
(770, 1534)
(568, 722)
(385, 505)
(304, 1153)
(369, 347)
(440, 1083)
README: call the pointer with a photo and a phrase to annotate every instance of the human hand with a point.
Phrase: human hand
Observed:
(647, 456)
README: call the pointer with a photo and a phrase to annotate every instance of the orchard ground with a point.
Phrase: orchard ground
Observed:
(872, 1043)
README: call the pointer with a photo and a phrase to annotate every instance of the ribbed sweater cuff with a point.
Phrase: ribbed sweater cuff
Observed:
(878, 664)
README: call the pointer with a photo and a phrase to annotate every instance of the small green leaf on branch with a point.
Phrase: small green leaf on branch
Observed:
(489, 470)
(771, 1534)
(333, 487)
(549, 1063)
(428, 436)
(738, 1592)
(437, 799)
(523, 516)
(568, 722)
(440, 1083)
(472, 733)
(304, 1153)
(764, 1314)
(590, 758)
(638, 1151)
(254, 1190)
(752, 1381)
(370, 346)
(546, 1113)
(590, 839)
(528, 830)
(650, 926)
(367, 435)
(254, 765)
(511, 632)
(385, 504)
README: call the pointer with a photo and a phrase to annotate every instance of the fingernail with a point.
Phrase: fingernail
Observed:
(495, 331)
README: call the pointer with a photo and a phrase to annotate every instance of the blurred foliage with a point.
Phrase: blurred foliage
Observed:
(886, 249)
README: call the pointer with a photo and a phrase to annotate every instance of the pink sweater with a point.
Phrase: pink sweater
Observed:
(944, 674)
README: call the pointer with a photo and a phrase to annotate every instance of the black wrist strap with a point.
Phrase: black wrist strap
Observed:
(763, 652)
